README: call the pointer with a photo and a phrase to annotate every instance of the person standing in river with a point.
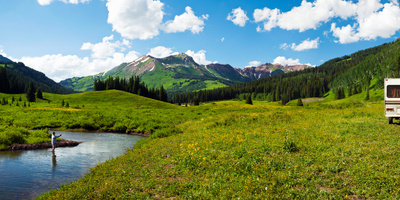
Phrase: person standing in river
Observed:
(54, 140)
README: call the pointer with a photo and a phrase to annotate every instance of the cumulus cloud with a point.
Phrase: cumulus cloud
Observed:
(253, 64)
(199, 57)
(105, 48)
(105, 55)
(373, 18)
(283, 61)
(60, 67)
(48, 2)
(160, 52)
(238, 17)
(186, 21)
(304, 17)
(346, 34)
(305, 45)
(139, 19)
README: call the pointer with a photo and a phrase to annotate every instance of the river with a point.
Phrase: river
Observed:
(28, 174)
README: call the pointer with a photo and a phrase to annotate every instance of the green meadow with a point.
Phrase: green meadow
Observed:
(327, 149)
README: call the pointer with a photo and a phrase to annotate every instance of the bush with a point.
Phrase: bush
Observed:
(11, 136)
(248, 100)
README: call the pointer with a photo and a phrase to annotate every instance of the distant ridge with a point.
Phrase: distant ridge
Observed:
(180, 73)
(4, 59)
(19, 76)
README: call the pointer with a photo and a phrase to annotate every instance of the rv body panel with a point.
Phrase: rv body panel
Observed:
(392, 98)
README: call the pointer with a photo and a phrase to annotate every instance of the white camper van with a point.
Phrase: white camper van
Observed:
(392, 98)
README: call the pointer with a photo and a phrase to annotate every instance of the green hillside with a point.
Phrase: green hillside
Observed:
(17, 76)
(350, 74)
(336, 149)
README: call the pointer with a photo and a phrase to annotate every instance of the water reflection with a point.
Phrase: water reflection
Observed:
(53, 161)
(27, 174)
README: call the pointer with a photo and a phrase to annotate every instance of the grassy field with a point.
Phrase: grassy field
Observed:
(327, 149)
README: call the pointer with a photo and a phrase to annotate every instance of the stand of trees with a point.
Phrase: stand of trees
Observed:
(132, 85)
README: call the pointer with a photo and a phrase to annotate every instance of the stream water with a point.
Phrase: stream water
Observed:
(28, 174)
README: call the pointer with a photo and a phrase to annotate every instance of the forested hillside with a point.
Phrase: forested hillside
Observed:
(354, 73)
(15, 79)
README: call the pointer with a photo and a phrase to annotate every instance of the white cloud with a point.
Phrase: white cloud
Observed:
(283, 61)
(222, 39)
(60, 67)
(199, 57)
(44, 2)
(48, 2)
(104, 57)
(373, 18)
(186, 21)
(384, 23)
(160, 52)
(238, 17)
(269, 16)
(346, 34)
(106, 48)
(253, 64)
(139, 19)
(305, 45)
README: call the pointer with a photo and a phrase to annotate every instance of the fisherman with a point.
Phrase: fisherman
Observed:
(54, 140)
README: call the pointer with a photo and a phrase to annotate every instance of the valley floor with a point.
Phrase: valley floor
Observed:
(329, 150)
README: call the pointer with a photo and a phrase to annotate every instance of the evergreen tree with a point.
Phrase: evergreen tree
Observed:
(39, 93)
(248, 100)
(163, 94)
(30, 93)
(397, 69)
(67, 105)
(62, 103)
(367, 96)
(195, 101)
(299, 102)
(4, 82)
(349, 92)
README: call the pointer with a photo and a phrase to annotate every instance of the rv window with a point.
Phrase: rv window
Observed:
(393, 91)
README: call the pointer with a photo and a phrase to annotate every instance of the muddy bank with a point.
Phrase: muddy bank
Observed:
(44, 145)
(103, 131)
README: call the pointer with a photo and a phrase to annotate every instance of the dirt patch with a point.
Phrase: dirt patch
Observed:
(44, 145)
(311, 100)
(139, 134)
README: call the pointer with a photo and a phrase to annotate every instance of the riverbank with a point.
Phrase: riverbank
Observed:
(42, 145)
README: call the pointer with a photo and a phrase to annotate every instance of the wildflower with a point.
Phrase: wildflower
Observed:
(266, 188)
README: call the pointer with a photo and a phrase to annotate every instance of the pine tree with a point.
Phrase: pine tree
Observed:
(4, 82)
(248, 100)
(163, 94)
(299, 102)
(39, 93)
(62, 103)
(367, 96)
(30, 94)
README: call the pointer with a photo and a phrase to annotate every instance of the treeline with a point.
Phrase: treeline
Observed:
(311, 82)
(16, 77)
(132, 85)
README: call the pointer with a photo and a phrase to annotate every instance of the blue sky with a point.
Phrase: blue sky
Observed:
(69, 38)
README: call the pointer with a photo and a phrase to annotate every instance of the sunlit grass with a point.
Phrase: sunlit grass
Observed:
(325, 150)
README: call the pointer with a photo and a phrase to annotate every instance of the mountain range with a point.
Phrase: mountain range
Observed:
(180, 73)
